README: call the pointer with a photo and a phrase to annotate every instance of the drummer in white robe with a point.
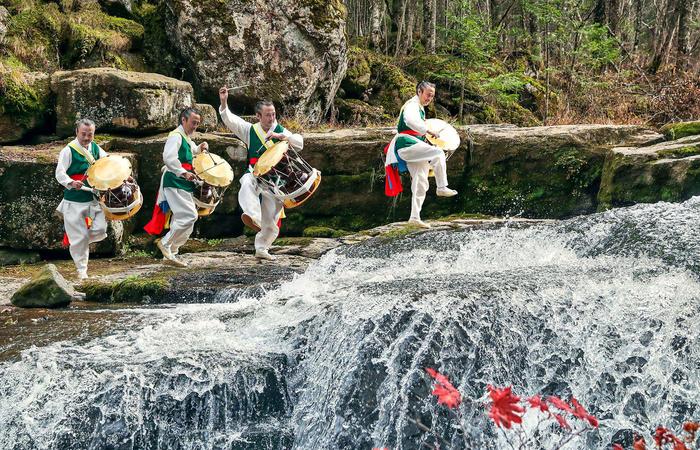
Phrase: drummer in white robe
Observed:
(176, 188)
(261, 210)
(83, 219)
(410, 146)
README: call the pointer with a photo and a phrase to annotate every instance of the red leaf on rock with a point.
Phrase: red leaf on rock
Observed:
(505, 409)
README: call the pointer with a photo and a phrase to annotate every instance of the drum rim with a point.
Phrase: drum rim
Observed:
(301, 190)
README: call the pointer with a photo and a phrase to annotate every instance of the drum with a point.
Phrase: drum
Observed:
(286, 175)
(118, 194)
(214, 176)
(448, 138)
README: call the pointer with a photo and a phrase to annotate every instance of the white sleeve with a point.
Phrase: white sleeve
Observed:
(64, 160)
(172, 146)
(411, 114)
(196, 149)
(238, 126)
(102, 152)
(295, 140)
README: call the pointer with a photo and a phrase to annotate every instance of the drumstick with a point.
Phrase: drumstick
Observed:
(237, 87)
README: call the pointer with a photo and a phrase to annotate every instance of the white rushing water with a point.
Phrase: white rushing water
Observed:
(603, 307)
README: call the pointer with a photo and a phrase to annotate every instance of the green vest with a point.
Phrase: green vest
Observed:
(405, 140)
(78, 166)
(184, 155)
(257, 139)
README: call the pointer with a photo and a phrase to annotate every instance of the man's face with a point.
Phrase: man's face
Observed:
(85, 134)
(426, 95)
(267, 117)
(191, 123)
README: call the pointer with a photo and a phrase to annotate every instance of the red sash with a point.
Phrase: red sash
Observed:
(392, 180)
(157, 223)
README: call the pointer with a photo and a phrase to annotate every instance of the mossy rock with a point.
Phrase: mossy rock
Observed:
(679, 130)
(324, 232)
(357, 112)
(47, 289)
(358, 74)
(136, 289)
(24, 102)
(9, 257)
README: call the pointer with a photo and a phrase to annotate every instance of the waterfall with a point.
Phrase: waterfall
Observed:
(604, 307)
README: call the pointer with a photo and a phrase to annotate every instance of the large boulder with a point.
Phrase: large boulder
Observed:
(668, 171)
(117, 101)
(47, 289)
(29, 195)
(24, 102)
(539, 172)
(293, 53)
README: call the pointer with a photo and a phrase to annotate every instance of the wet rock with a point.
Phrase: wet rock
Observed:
(48, 289)
(9, 257)
(29, 195)
(118, 101)
(624, 437)
(635, 408)
(290, 52)
(669, 171)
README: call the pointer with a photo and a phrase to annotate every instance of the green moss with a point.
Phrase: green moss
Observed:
(303, 241)
(134, 289)
(679, 130)
(34, 36)
(681, 152)
(324, 232)
(400, 232)
(358, 74)
(326, 14)
(464, 216)
(19, 99)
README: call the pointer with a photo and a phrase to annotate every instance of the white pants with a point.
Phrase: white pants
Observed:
(420, 158)
(262, 207)
(79, 235)
(184, 215)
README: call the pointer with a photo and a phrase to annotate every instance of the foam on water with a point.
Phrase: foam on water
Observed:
(603, 307)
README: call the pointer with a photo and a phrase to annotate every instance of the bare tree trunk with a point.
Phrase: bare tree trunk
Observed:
(429, 25)
(399, 18)
(410, 24)
(376, 15)
(685, 7)
(670, 26)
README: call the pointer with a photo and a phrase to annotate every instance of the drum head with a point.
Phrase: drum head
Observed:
(213, 169)
(448, 138)
(270, 158)
(109, 172)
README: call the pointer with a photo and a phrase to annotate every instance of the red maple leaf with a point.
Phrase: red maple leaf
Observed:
(537, 402)
(562, 421)
(559, 403)
(639, 443)
(581, 413)
(617, 447)
(446, 393)
(505, 409)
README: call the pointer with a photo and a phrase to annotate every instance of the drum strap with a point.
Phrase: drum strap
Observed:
(85, 154)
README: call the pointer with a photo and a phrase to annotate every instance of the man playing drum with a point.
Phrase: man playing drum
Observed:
(83, 219)
(260, 209)
(409, 150)
(176, 188)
